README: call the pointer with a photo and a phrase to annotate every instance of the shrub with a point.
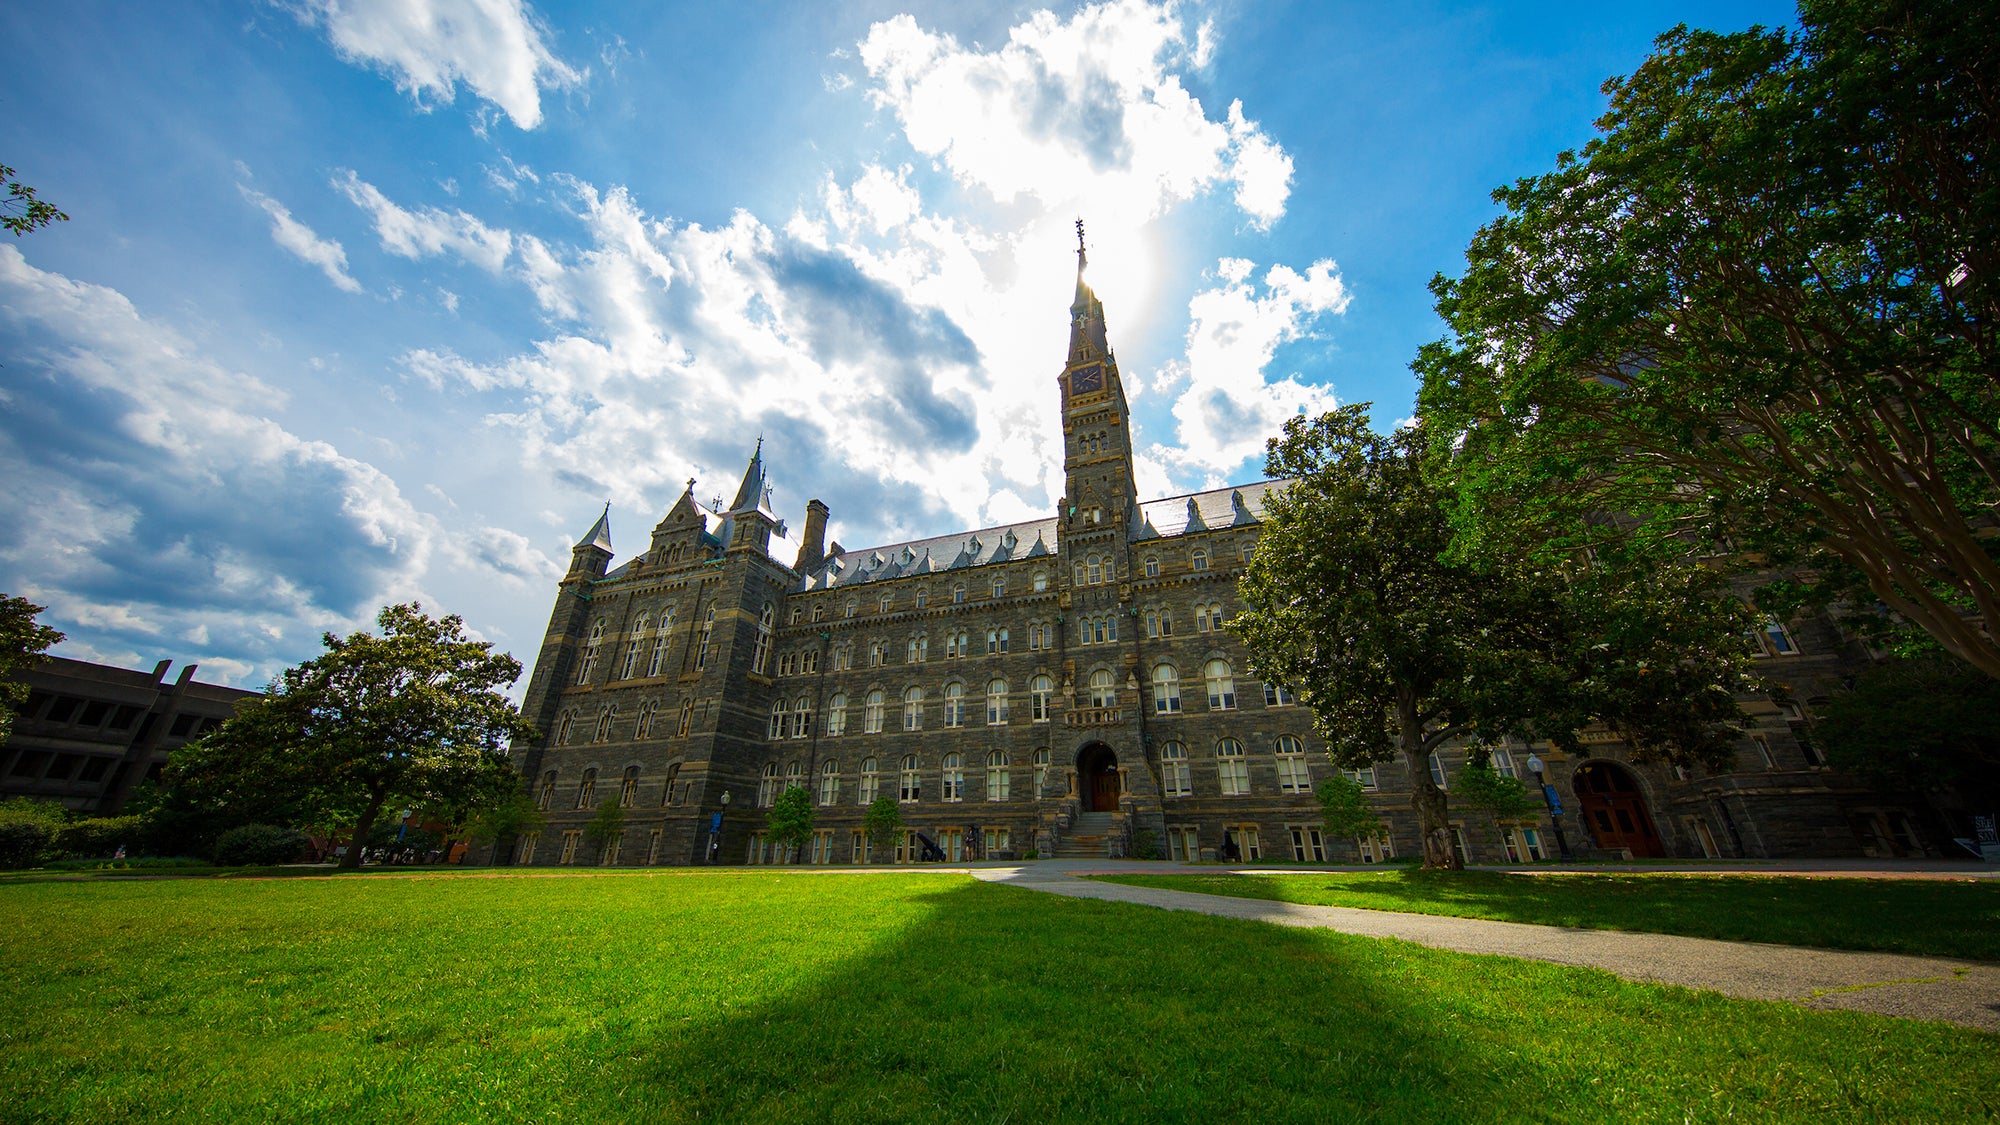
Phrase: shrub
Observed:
(100, 836)
(1143, 845)
(23, 843)
(259, 845)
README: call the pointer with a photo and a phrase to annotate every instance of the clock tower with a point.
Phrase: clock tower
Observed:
(1100, 499)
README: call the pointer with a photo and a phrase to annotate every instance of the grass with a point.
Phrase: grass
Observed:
(765, 997)
(1949, 918)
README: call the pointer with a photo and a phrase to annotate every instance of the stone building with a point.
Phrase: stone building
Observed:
(1063, 685)
(89, 732)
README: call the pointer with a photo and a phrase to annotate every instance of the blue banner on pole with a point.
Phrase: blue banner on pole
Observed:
(715, 822)
(1555, 802)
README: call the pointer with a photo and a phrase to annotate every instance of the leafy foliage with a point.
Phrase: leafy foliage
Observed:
(1930, 723)
(99, 836)
(28, 831)
(884, 819)
(259, 845)
(22, 642)
(414, 717)
(1345, 809)
(1758, 309)
(605, 825)
(20, 211)
(791, 819)
(1481, 786)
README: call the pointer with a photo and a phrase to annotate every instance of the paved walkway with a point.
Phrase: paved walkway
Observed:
(1889, 984)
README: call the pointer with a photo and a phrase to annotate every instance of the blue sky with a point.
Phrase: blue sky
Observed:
(368, 300)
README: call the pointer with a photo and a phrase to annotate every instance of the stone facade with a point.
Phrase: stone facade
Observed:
(1062, 685)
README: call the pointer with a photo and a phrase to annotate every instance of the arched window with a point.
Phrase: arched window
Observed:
(1093, 568)
(548, 794)
(1221, 686)
(586, 790)
(1040, 690)
(953, 776)
(999, 587)
(1103, 689)
(565, 726)
(913, 708)
(1174, 771)
(908, 786)
(1166, 689)
(957, 643)
(686, 719)
(996, 641)
(871, 782)
(605, 719)
(996, 703)
(877, 654)
(657, 663)
(628, 789)
(1294, 776)
(767, 786)
(701, 642)
(1233, 768)
(638, 642)
(1199, 559)
(885, 603)
(954, 706)
(829, 782)
(958, 594)
(1152, 566)
(998, 780)
(1041, 769)
(836, 715)
(760, 652)
(919, 649)
(1041, 582)
(795, 776)
(777, 718)
(871, 712)
(922, 598)
(853, 606)
(590, 650)
(673, 778)
(802, 716)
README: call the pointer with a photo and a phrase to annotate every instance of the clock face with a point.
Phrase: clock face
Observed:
(1087, 379)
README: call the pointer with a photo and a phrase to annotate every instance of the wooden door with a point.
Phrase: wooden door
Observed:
(1615, 811)
(1104, 790)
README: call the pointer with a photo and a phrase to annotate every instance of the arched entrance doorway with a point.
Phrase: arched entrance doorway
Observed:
(1615, 811)
(1097, 778)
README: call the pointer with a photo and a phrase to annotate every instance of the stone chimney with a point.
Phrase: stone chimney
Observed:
(812, 543)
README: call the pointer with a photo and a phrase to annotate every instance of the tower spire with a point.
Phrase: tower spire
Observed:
(599, 535)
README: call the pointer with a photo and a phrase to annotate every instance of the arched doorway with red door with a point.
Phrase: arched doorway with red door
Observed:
(1614, 810)
(1097, 781)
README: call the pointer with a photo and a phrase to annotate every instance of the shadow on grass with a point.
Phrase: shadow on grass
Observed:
(932, 998)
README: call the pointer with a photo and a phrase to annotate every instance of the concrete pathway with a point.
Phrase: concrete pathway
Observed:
(1890, 984)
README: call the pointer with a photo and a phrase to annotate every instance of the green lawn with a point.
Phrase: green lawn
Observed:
(754, 997)
(1955, 918)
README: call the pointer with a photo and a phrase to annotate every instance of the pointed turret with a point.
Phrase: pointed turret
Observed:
(1087, 340)
(749, 520)
(599, 534)
(754, 494)
(592, 553)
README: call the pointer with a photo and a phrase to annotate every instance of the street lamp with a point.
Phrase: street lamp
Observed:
(715, 830)
(1535, 765)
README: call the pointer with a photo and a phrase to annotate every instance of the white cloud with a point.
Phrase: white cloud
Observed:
(427, 231)
(299, 240)
(428, 47)
(1087, 111)
(149, 502)
(1228, 406)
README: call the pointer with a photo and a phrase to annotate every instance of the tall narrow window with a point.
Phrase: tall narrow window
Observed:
(1437, 771)
(802, 717)
(923, 598)
(871, 782)
(1040, 690)
(686, 720)
(586, 790)
(701, 642)
(548, 794)
(673, 779)
(996, 703)
(958, 594)
(999, 587)
(1232, 767)
(767, 786)
(1152, 566)
(1103, 689)
(1041, 582)
(886, 602)
(909, 787)
(795, 775)
(954, 705)
(1166, 689)
(836, 715)
(953, 776)
(997, 777)
(605, 720)
(829, 782)
(632, 649)
(871, 712)
(1293, 774)
(1779, 638)
(777, 718)
(760, 652)
(853, 606)
(1199, 559)
(590, 650)
(1221, 686)
(565, 726)
(913, 708)
(1174, 771)
(1041, 769)
(918, 650)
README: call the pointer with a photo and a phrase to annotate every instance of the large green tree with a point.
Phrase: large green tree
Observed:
(23, 641)
(1930, 722)
(413, 717)
(1761, 307)
(791, 820)
(1355, 603)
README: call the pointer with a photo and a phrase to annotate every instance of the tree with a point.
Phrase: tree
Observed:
(606, 825)
(884, 818)
(1930, 723)
(22, 642)
(1398, 648)
(1760, 307)
(791, 819)
(1345, 809)
(1481, 786)
(411, 718)
(20, 211)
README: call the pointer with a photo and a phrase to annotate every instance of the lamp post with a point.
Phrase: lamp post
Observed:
(1555, 804)
(715, 830)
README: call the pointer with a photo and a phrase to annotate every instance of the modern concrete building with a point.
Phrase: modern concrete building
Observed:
(1063, 684)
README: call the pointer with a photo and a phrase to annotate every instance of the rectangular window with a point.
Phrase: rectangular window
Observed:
(1183, 845)
(1307, 846)
(997, 841)
(1293, 776)
(1247, 845)
(859, 848)
(1375, 849)
(527, 853)
(653, 847)
(822, 847)
(1365, 776)
(570, 840)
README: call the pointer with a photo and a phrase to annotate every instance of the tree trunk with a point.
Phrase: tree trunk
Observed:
(1426, 799)
(352, 860)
